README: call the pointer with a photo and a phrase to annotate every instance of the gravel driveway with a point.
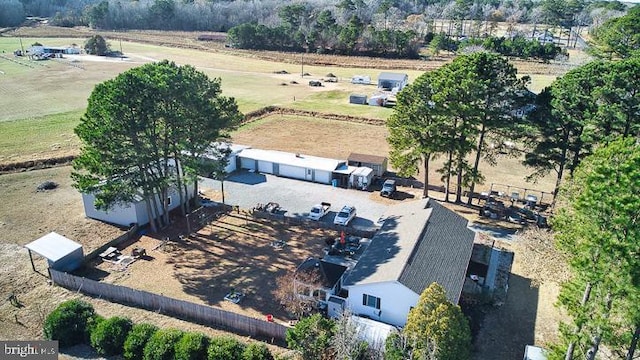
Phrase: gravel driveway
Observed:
(246, 189)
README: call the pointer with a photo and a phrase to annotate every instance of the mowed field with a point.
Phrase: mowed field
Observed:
(41, 103)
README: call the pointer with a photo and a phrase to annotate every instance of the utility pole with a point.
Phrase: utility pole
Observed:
(302, 66)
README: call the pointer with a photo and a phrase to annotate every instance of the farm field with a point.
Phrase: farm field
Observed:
(57, 90)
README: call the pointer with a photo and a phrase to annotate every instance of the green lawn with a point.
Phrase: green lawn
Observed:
(35, 137)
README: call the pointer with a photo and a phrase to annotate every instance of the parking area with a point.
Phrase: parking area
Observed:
(246, 189)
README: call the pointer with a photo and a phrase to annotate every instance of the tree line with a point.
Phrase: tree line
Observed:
(470, 107)
(461, 17)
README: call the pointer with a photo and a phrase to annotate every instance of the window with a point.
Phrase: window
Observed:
(371, 301)
(169, 201)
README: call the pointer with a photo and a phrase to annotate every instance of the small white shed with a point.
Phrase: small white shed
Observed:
(62, 254)
(361, 178)
(361, 79)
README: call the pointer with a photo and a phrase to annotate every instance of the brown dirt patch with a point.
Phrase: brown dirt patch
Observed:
(233, 252)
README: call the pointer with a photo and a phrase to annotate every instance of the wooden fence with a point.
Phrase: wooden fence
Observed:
(181, 309)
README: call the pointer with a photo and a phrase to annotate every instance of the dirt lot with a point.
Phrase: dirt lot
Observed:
(233, 252)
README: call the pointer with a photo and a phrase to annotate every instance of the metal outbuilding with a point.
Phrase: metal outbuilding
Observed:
(295, 166)
(62, 254)
(377, 163)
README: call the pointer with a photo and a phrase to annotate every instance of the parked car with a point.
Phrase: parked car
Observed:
(319, 210)
(345, 215)
(388, 188)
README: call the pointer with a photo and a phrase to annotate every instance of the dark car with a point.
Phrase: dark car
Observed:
(388, 188)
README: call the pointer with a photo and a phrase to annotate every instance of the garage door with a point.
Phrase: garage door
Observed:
(323, 177)
(265, 167)
(247, 163)
(292, 171)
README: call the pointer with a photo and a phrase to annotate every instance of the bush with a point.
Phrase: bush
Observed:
(108, 337)
(161, 345)
(68, 322)
(192, 346)
(257, 351)
(137, 339)
(225, 348)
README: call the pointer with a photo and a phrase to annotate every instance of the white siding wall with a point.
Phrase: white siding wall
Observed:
(128, 214)
(395, 301)
(120, 215)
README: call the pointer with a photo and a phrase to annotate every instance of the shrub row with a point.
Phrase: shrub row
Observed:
(75, 321)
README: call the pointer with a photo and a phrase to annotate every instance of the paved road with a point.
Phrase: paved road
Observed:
(296, 196)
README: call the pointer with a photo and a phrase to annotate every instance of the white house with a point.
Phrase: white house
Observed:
(421, 242)
(126, 214)
(393, 82)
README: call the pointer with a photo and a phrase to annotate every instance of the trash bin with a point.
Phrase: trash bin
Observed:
(334, 182)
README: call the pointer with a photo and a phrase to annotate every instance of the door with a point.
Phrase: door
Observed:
(309, 175)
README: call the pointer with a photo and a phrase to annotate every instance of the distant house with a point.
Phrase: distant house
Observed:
(377, 163)
(393, 82)
(134, 212)
(421, 242)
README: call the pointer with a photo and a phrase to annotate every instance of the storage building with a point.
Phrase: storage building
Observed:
(358, 99)
(377, 163)
(296, 166)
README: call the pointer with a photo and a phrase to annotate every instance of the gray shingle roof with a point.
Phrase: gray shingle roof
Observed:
(420, 242)
(442, 255)
(392, 76)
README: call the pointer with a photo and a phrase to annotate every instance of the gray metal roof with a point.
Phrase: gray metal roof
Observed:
(442, 255)
(53, 246)
(421, 242)
(392, 246)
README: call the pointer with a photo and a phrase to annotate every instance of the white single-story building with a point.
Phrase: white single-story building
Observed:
(217, 148)
(420, 242)
(361, 178)
(126, 214)
(62, 254)
(295, 166)
(393, 82)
